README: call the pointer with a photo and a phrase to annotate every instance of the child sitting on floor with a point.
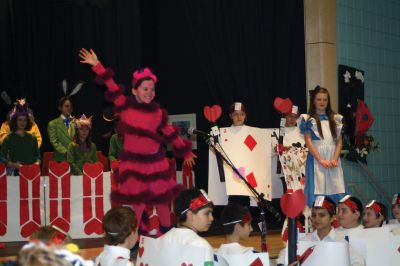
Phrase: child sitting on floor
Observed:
(375, 214)
(236, 222)
(193, 209)
(120, 233)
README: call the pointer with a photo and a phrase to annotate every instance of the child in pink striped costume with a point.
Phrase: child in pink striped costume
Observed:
(145, 174)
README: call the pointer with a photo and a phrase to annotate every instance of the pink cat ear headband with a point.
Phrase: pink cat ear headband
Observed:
(141, 74)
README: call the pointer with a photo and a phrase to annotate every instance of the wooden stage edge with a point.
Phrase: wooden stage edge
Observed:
(91, 247)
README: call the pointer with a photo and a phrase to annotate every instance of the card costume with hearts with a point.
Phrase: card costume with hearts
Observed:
(321, 180)
(145, 175)
(114, 255)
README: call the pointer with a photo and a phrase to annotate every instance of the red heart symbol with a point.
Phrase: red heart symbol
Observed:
(61, 223)
(212, 113)
(29, 228)
(292, 204)
(94, 226)
(93, 169)
(30, 171)
(184, 264)
(283, 106)
(141, 251)
(59, 168)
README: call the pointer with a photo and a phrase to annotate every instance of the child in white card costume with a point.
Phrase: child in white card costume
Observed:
(193, 209)
(349, 215)
(322, 133)
(374, 214)
(323, 215)
(120, 234)
(236, 223)
(395, 209)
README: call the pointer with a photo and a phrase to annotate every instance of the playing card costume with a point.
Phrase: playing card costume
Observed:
(114, 255)
(144, 175)
(321, 180)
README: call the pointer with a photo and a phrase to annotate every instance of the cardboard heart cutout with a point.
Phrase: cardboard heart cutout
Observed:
(94, 226)
(141, 251)
(93, 169)
(58, 168)
(292, 204)
(283, 106)
(212, 113)
(31, 171)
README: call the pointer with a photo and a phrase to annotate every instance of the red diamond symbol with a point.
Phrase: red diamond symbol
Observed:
(251, 179)
(250, 142)
(257, 262)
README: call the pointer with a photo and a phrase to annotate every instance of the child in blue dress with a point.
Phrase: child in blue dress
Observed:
(322, 134)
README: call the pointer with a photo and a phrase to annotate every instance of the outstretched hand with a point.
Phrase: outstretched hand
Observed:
(190, 162)
(88, 57)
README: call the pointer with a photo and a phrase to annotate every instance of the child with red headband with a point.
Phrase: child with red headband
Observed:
(193, 210)
(395, 209)
(323, 215)
(120, 234)
(349, 214)
(236, 223)
(144, 176)
(374, 215)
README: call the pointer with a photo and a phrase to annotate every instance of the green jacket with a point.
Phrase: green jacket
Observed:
(116, 146)
(60, 137)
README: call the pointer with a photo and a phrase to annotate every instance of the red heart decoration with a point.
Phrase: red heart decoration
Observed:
(93, 169)
(59, 168)
(30, 171)
(184, 264)
(94, 226)
(29, 228)
(292, 204)
(61, 223)
(141, 251)
(283, 106)
(212, 113)
(3, 229)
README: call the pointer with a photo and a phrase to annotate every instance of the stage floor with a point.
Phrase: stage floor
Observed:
(90, 248)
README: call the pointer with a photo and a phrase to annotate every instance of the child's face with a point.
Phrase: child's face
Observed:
(347, 218)
(66, 108)
(396, 211)
(370, 220)
(202, 220)
(238, 118)
(320, 102)
(21, 122)
(145, 93)
(245, 230)
(291, 119)
(83, 133)
(321, 219)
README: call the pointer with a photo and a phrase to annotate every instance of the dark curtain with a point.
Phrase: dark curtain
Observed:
(40, 41)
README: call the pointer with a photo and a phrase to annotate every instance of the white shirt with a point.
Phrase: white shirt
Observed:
(233, 248)
(186, 236)
(347, 231)
(114, 255)
(336, 235)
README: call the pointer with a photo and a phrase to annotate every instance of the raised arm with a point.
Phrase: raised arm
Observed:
(115, 93)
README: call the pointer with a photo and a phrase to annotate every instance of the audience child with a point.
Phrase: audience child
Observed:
(395, 209)
(82, 150)
(374, 215)
(61, 130)
(236, 223)
(193, 209)
(19, 147)
(120, 234)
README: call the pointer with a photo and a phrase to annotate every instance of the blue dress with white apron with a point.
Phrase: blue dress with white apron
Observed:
(321, 180)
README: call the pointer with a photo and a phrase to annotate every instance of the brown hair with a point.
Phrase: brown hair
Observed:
(39, 256)
(13, 123)
(118, 224)
(329, 112)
